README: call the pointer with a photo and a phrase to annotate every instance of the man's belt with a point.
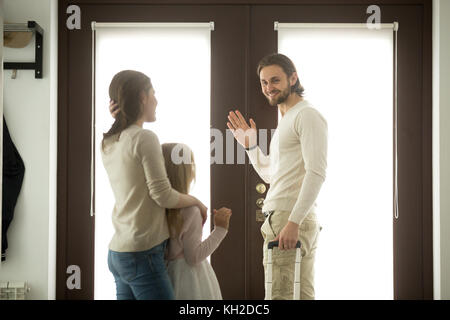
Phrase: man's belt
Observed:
(268, 213)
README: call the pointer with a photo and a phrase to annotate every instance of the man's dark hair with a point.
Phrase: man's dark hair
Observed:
(286, 64)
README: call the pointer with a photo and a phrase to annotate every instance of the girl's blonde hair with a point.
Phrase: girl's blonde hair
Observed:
(180, 167)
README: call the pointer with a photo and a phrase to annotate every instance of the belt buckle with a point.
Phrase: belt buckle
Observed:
(268, 213)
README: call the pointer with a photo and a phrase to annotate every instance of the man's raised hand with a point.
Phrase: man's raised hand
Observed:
(243, 133)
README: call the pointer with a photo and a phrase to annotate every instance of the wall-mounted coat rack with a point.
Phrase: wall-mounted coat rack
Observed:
(31, 26)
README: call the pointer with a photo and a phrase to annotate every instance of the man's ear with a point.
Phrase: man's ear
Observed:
(294, 78)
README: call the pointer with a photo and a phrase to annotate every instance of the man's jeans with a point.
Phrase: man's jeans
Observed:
(283, 261)
(141, 275)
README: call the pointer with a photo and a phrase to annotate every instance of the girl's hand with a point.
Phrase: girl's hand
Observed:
(222, 217)
(242, 132)
(113, 108)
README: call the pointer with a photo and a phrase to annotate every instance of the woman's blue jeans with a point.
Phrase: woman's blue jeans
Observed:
(141, 275)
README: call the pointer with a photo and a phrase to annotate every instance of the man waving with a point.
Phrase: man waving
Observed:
(295, 169)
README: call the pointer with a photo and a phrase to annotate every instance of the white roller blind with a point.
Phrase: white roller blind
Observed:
(177, 58)
(347, 72)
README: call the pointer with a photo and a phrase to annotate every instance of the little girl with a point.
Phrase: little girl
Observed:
(192, 276)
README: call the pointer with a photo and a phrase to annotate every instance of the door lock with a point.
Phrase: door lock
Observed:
(260, 202)
(260, 188)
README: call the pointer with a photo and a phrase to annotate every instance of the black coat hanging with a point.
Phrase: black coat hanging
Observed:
(13, 173)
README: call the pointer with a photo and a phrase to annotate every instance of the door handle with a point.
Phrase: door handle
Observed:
(260, 188)
(260, 216)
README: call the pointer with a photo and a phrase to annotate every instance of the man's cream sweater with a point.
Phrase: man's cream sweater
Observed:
(138, 177)
(296, 165)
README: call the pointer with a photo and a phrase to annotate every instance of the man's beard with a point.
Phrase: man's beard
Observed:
(282, 97)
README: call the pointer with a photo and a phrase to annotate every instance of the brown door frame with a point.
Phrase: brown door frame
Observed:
(75, 228)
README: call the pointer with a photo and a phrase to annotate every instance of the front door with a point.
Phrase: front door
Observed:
(356, 208)
(243, 34)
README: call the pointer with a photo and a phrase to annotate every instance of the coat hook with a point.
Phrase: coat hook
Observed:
(14, 74)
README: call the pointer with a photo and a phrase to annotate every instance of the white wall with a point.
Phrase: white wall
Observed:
(441, 148)
(1, 116)
(30, 112)
(53, 148)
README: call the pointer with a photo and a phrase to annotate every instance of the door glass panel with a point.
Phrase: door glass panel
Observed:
(348, 77)
(177, 60)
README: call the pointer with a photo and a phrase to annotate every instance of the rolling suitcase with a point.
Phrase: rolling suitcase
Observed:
(298, 259)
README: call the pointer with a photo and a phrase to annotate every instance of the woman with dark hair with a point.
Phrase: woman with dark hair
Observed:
(133, 159)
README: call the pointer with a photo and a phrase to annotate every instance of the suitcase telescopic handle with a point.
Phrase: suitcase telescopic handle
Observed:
(276, 243)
